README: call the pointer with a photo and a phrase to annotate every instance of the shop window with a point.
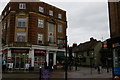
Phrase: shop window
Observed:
(22, 6)
(84, 59)
(87, 53)
(21, 22)
(41, 23)
(21, 37)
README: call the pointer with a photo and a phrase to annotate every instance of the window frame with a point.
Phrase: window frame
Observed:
(40, 23)
(21, 34)
(21, 22)
(51, 28)
(22, 6)
(60, 28)
(60, 16)
(51, 12)
(41, 9)
(40, 35)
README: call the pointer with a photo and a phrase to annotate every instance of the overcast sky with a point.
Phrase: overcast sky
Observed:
(85, 20)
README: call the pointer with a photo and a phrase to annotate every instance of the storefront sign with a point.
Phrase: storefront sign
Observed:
(116, 71)
(20, 51)
(40, 51)
(5, 51)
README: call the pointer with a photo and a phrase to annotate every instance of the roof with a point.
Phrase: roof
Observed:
(87, 46)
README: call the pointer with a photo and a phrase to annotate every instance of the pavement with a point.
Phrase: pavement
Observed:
(82, 73)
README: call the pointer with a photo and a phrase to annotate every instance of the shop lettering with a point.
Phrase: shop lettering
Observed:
(40, 51)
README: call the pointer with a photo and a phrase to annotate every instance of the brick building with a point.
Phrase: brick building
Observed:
(32, 32)
(88, 53)
(114, 42)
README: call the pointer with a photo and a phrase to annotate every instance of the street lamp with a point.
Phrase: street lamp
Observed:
(66, 58)
(64, 43)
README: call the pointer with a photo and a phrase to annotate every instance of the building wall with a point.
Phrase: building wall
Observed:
(30, 48)
(114, 17)
(86, 55)
(32, 13)
(97, 54)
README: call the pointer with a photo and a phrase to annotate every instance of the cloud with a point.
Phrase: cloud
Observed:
(85, 20)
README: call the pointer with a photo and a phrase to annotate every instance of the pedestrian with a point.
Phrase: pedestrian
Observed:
(27, 66)
(98, 69)
(11, 66)
(8, 67)
(45, 65)
(3, 65)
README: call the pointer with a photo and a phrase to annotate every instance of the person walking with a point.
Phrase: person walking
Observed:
(98, 69)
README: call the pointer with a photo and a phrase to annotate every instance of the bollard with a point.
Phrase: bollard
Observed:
(40, 73)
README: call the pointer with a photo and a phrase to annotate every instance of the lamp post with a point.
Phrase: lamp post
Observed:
(66, 58)
(91, 62)
(64, 43)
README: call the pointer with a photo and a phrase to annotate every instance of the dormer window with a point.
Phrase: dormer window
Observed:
(60, 16)
(50, 12)
(41, 9)
(22, 6)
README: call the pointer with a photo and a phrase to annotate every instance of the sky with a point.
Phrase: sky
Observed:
(85, 19)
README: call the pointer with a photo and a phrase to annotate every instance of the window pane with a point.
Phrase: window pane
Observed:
(41, 9)
(60, 28)
(60, 16)
(51, 28)
(21, 22)
(51, 39)
(21, 37)
(40, 38)
(22, 6)
(51, 12)
(51, 33)
(40, 23)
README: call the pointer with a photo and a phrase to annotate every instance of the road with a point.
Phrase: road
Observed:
(82, 73)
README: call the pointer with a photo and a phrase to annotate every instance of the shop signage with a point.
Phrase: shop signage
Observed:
(20, 51)
(40, 51)
(116, 71)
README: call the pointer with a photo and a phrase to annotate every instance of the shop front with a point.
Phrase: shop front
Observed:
(39, 58)
(114, 45)
(19, 57)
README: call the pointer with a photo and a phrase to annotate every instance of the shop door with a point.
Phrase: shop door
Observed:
(20, 61)
(51, 60)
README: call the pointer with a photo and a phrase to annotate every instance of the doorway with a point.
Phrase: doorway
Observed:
(20, 59)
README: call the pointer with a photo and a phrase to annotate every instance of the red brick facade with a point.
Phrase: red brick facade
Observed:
(12, 11)
(114, 16)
